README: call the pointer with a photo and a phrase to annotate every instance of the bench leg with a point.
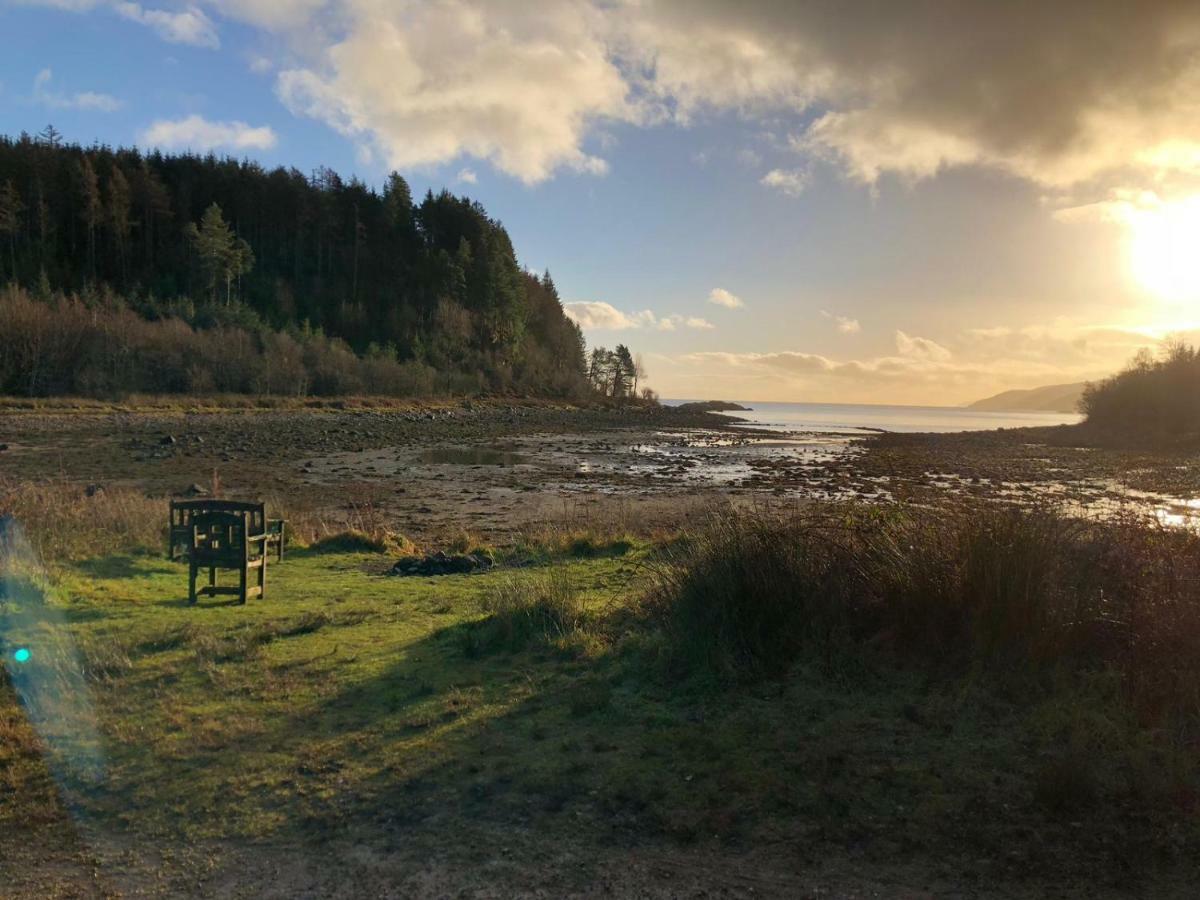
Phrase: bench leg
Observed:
(242, 586)
(192, 585)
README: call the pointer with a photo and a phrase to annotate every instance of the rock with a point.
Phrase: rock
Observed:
(194, 490)
(442, 564)
(3, 447)
(168, 439)
(93, 489)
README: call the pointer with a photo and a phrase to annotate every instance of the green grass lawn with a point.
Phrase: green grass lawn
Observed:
(348, 702)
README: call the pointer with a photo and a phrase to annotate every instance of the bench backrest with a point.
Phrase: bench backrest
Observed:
(183, 511)
(219, 538)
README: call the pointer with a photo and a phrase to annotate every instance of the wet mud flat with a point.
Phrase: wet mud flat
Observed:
(1036, 465)
(496, 468)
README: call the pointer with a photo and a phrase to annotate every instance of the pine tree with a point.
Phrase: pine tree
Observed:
(50, 136)
(89, 195)
(11, 208)
(623, 371)
(223, 256)
(119, 205)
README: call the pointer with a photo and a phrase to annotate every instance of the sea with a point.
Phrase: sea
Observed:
(866, 418)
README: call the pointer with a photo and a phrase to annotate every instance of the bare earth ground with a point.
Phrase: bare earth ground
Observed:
(498, 469)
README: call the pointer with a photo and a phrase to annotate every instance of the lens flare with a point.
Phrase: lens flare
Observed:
(50, 686)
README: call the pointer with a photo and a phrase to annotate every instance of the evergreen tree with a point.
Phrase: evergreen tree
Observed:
(119, 204)
(11, 208)
(223, 256)
(91, 208)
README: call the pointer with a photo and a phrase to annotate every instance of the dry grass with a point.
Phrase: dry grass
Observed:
(66, 521)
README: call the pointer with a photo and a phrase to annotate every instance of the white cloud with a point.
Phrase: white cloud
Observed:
(843, 324)
(518, 85)
(467, 176)
(197, 133)
(84, 100)
(597, 315)
(921, 348)
(788, 181)
(188, 26)
(722, 297)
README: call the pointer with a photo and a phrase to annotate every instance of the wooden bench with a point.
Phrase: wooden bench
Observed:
(227, 539)
(179, 534)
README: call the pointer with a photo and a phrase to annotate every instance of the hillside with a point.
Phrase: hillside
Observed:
(1051, 398)
(220, 242)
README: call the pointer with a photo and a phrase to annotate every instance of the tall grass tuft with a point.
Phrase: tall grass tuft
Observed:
(1027, 591)
(544, 608)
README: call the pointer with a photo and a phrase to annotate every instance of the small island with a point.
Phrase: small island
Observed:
(712, 406)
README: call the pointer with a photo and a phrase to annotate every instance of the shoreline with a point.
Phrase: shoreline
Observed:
(498, 467)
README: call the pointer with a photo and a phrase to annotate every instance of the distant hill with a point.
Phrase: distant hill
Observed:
(1051, 398)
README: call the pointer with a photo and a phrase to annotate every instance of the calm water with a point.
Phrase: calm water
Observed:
(858, 418)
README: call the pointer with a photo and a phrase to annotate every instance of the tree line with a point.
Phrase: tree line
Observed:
(1154, 399)
(433, 283)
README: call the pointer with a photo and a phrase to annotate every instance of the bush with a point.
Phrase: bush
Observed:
(99, 347)
(1013, 591)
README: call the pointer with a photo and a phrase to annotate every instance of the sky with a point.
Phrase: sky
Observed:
(857, 201)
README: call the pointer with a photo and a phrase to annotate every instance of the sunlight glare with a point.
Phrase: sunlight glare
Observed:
(1164, 249)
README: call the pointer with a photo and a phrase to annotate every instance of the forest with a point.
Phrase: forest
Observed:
(1154, 400)
(153, 263)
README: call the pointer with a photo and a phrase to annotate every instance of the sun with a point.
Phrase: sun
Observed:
(1164, 249)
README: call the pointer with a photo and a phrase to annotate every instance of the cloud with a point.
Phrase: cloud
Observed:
(197, 133)
(426, 83)
(972, 364)
(921, 348)
(189, 26)
(722, 297)
(842, 323)
(466, 176)
(912, 91)
(1066, 95)
(788, 181)
(597, 315)
(85, 100)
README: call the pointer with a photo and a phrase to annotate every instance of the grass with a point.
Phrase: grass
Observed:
(862, 705)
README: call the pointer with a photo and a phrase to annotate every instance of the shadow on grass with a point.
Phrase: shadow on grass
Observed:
(444, 740)
(127, 566)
